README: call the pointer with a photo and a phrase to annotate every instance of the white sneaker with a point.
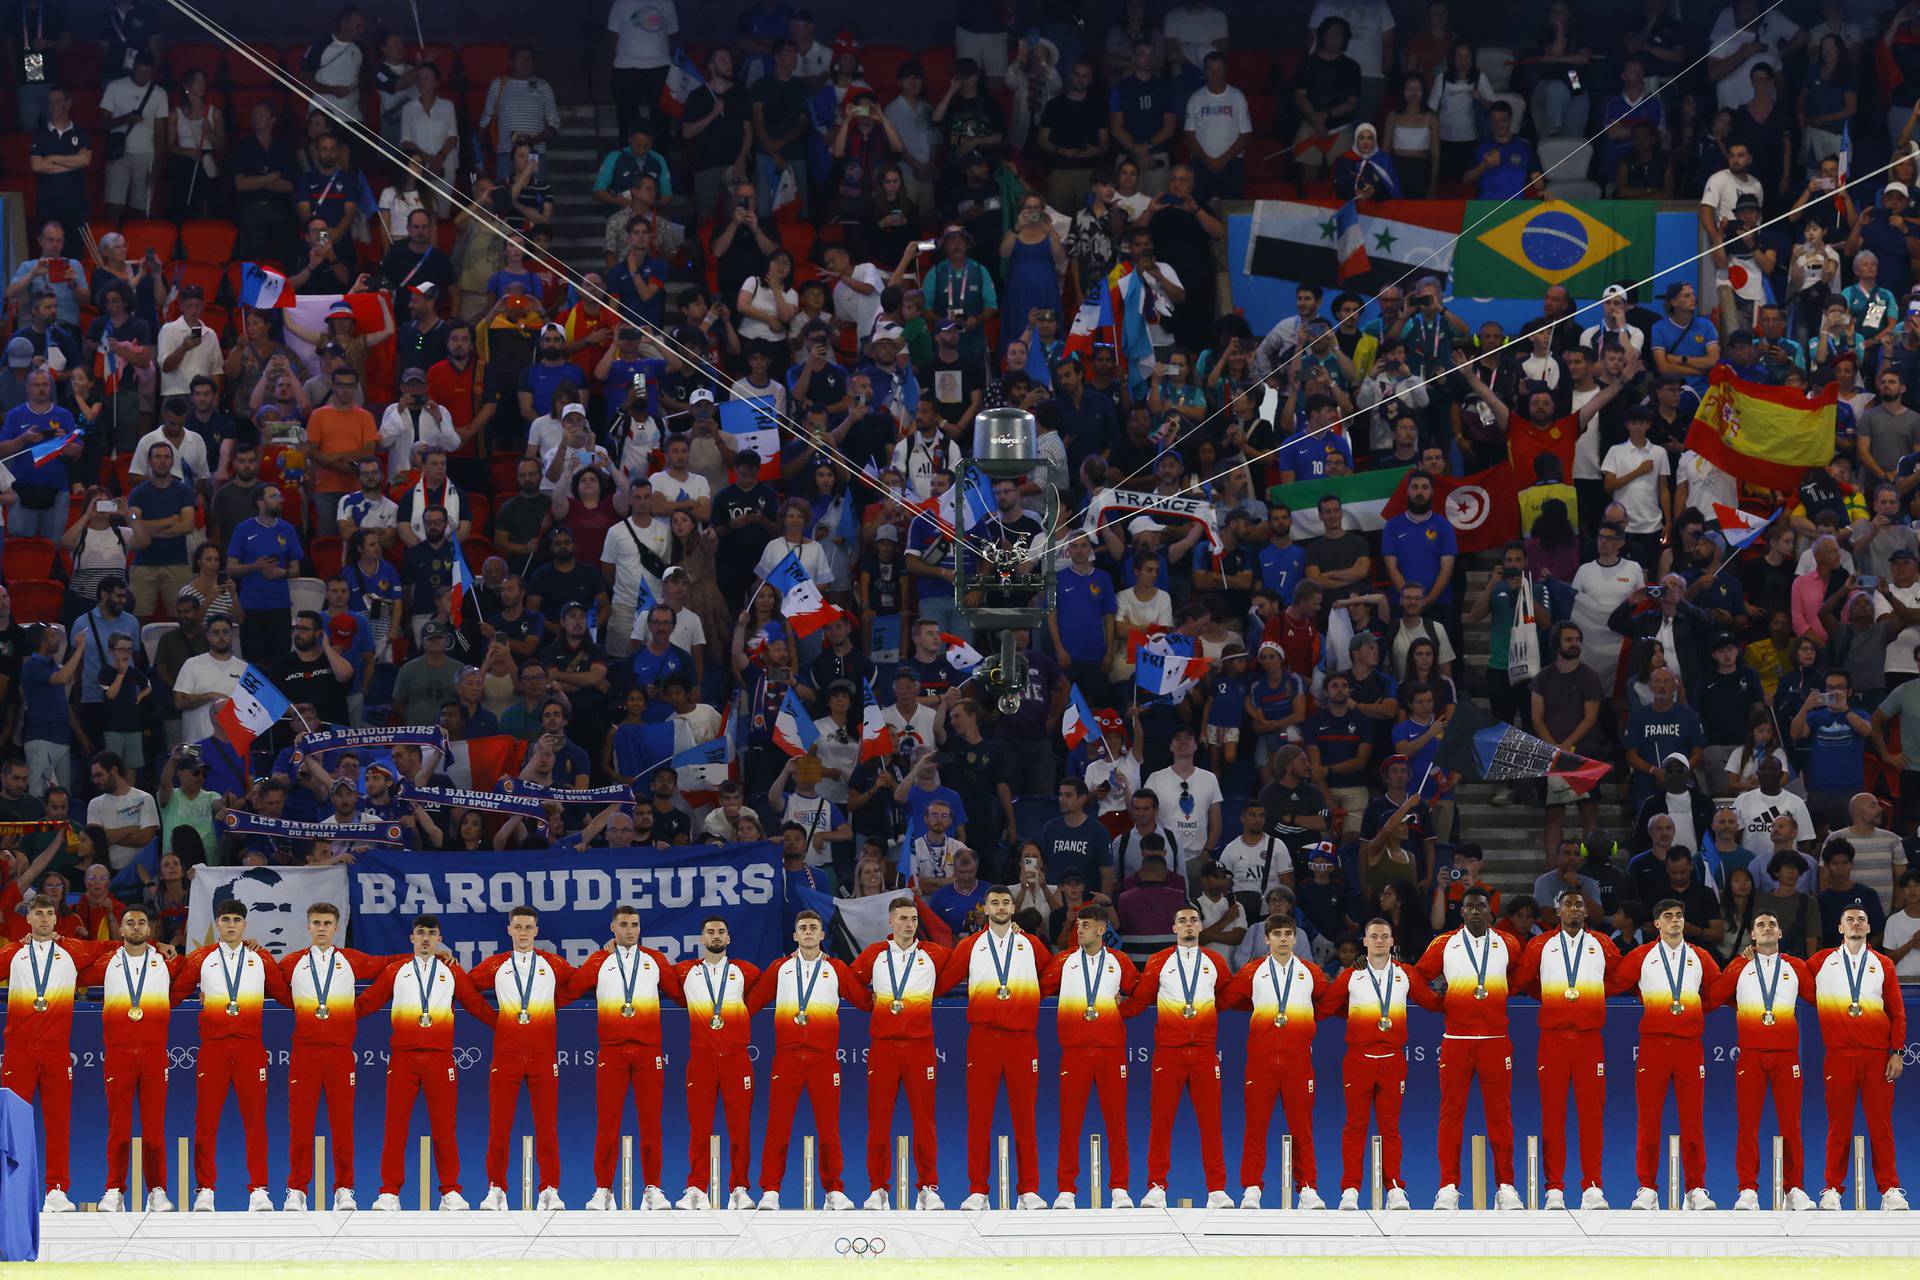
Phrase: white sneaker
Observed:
(343, 1201)
(740, 1199)
(1219, 1200)
(975, 1203)
(1798, 1201)
(1893, 1200)
(258, 1201)
(451, 1202)
(1593, 1198)
(1156, 1197)
(1065, 1200)
(1250, 1198)
(1507, 1198)
(839, 1201)
(1350, 1198)
(692, 1198)
(1644, 1198)
(652, 1198)
(878, 1201)
(1447, 1199)
(1698, 1200)
(1501, 799)
(1830, 1198)
(203, 1200)
(296, 1202)
(56, 1202)
(1748, 1201)
(157, 1202)
(930, 1200)
(1397, 1199)
(601, 1201)
(1556, 1200)
(387, 1202)
(769, 1200)
(1308, 1200)
(1120, 1198)
(111, 1201)
(1030, 1200)
(495, 1201)
(550, 1201)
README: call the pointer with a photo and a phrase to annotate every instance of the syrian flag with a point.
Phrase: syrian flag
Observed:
(49, 450)
(462, 583)
(264, 287)
(255, 707)
(1294, 240)
(876, 735)
(961, 655)
(1351, 243)
(793, 730)
(753, 424)
(1167, 667)
(477, 764)
(800, 598)
(1738, 528)
(1077, 725)
(1480, 749)
(682, 79)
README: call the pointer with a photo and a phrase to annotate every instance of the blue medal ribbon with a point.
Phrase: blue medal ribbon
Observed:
(232, 977)
(1673, 978)
(40, 980)
(1188, 985)
(805, 983)
(1001, 969)
(320, 989)
(1273, 976)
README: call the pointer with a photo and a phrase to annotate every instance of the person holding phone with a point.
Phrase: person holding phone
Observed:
(1838, 736)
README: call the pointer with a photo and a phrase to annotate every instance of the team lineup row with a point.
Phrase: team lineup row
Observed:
(1467, 975)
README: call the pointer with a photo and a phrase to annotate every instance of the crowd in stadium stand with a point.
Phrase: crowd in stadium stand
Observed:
(884, 242)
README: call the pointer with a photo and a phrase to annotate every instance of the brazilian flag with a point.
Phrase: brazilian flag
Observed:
(1517, 250)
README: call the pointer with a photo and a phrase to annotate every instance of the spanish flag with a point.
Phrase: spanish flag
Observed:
(1764, 435)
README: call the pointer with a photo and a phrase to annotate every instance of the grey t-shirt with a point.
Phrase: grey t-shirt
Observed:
(1890, 434)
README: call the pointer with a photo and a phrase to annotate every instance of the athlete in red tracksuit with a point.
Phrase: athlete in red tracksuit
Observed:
(43, 975)
(719, 1032)
(526, 985)
(233, 979)
(1280, 990)
(321, 978)
(1671, 977)
(1763, 987)
(627, 981)
(899, 976)
(1567, 971)
(1863, 1021)
(422, 989)
(805, 991)
(1090, 981)
(137, 999)
(1475, 962)
(1373, 998)
(1184, 984)
(1000, 968)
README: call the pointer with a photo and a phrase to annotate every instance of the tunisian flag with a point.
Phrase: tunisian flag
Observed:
(1483, 508)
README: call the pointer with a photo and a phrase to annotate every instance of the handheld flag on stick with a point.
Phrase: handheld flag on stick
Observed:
(264, 287)
(462, 584)
(1077, 724)
(682, 79)
(754, 426)
(1352, 243)
(48, 450)
(1477, 747)
(800, 599)
(793, 730)
(1739, 528)
(962, 655)
(255, 707)
(876, 735)
(1166, 667)
(714, 751)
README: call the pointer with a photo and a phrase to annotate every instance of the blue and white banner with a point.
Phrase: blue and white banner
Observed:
(575, 894)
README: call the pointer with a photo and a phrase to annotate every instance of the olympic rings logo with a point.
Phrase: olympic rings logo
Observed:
(860, 1246)
(182, 1057)
(466, 1057)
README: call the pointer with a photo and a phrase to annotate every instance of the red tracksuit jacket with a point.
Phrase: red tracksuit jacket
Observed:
(242, 978)
(1172, 978)
(306, 971)
(1740, 985)
(919, 977)
(1882, 1024)
(831, 983)
(1641, 972)
(60, 961)
(1353, 994)
(1554, 964)
(1112, 977)
(1263, 986)
(977, 962)
(1458, 957)
(652, 974)
(153, 976)
(544, 975)
(430, 986)
(717, 991)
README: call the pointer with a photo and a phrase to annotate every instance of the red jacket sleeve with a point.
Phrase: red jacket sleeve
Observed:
(1526, 970)
(1331, 1001)
(92, 975)
(561, 969)
(1146, 990)
(1423, 994)
(7, 953)
(1432, 961)
(1625, 976)
(1805, 975)
(761, 992)
(863, 964)
(1320, 980)
(376, 996)
(852, 990)
(1610, 953)
(467, 992)
(482, 974)
(1722, 989)
(1709, 967)
(285, 966)
(671, 985)
(953, 970)
(187, 981)
(1041, 956)
(1129, 971)
(274, 979)
(1895, 1003)
(365, 967)
(1238, 993)
(579, 981)
(749, 974)
(1050, 976)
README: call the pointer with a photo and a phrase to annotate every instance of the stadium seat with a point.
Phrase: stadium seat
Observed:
(1497, 65)
(37, 600)
(307, 593)
(880, 64)
(937, 62)
(246, 74)
(479, 510)
(1565, 159)
(190, 55)
(1576, 189)
(86, 111)
(328, 552)
(209, 276)
(443, 59)
(1248, 70)
(482, 61)
(151, 634)
(243, 100)
(504, 472)
(29, 558)
(477, 549)
(1518, 101)
(150, 233)
(16, 163)
(215, 317)
(207, 240)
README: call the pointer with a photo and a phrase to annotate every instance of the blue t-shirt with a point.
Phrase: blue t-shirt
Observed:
(157, 502)
(1276, 701)
(1306, 455)
(650, 668)
(1340, 737)
(1419, 546)
(954, 906)
(1513, 164)
(253, 541)
(1282, 568)
(620, 380)
(1658, 734)
(1418, 762)
(1229, 700)
(920, 798)
(1085, 848)
(1837, 760)
(1082, 602)
(540, 380)
(55, 421)
(1142, 104)
(46, 702)
(921, 534)
(1690, 342)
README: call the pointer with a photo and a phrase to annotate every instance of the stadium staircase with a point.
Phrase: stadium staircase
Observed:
(573, 161)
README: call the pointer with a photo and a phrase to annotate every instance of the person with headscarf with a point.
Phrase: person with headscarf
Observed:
(1366, 172)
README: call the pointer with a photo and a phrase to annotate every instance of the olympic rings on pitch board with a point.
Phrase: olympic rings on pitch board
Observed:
(861, 1246)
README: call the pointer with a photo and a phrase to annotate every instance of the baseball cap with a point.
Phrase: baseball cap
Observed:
(1145, 524)
(573, 411)
(1747, 200)
(1271, 645)
(1892, 187)
(1672, 756)
(348, 783)
(425, 288)
(700, 396)
(570, 606)
(1740, 335)
(1391, 761)
(947, 326)
(886, 331)
(186, 291)
(339, 310)
(1903, 554)
(19, 353)
(1321, 852)
(1181, 731)
(1613, 291)
(433, 631)
(1725, 639)
(414, 378)
(886, 533)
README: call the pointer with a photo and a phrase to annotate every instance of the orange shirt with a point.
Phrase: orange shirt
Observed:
(331, 430)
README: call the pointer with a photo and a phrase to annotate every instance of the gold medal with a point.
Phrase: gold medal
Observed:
(800, 1018)
(1280, 1019)
(895, 1007)
(136, 1013)
(39, 1004)
(1385, 1023)
(1854, 1010)
(320, 1012)
(1188, 1011)
(626, 1010)
(1572, 993)
(716, 1022)
(1003, 994)
(233, 1009)
(1090, 1014)
(1479, 993)
(1676, 1008)
(1766, 1019)
(525, 1017)
(426, 1020)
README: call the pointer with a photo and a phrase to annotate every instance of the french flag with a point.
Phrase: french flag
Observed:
(264, 287)
(1094, 317)
(977, 498)
(1167, 667)
(713, 752)
(48, 450)
(1077, 724)
(793, 730)
(876, 735)
(682, 79)
(800, 598)
(462, 583)
(753, 425)
(255, 707)
(1738, 528)
(1350, 242)
(963, 656)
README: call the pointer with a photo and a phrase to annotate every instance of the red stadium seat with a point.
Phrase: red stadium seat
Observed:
(245, 74)
(294, 505)
(880, 64)
(481, 61)
(478, 549)
(504, 471)
(1248, 69)
(37, 599)
(16, 162)
(215, 317)
(327, 551)
(480, 511)
(29, 558)
(442, 57)
(207, 240)
(80, 62)
(937, 62)
(187, 56)
(150, 233)
(86, 113)
(244, 100)
(208, 275)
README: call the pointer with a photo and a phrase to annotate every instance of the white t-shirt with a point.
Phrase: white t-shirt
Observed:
(428, 128)
(860, 309)
(122, 97)
(340, 68)
(1120, 777)
(202, 673)
(1641, 497)
(543, 437)
(691, 489)
(642, 28)
(813, 558)
(201, 360)
(189, 455)
(915, 730)
(1903, 651)
(1370, 19)
(1217, 120)
(1900, 928)
(1757, 813)
(1189, 822)
(622, 550)
(1724, 189)
(1597, 592)
(743, 388)
(1706, 485)
(1197, 31)
(754, 290)
(134, 809)
(1630, 336)
(1773, 31)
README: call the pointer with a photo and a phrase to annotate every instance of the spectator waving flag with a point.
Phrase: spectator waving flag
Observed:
(962, 655)
(462, 583)
(978, 504)
(800, 598)
(751, 423)
(1093, 323)
(1351, 240)
(264, 287)
(1077, 725)
(643, 606)
(1738, 528)
(255, 707)
(1479, 748)
(1167, 667)
(47, 450)
(876, 735)
(793, 730)
(682, 79)
(714, 751)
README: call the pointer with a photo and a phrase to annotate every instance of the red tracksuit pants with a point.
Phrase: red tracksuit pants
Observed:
(992, 1056)
(24, 1070)
(1575, 1060)
(1193, 1069)
(1761, 1070)
(1854, 1075)
(729, 1078)
(541, 1075)
(620, 1069)
(891, 1066)
(1491, 1059)
(1082, 1071)
(136, 1078)
(1374, 1085)
(1291, 1084)
(817, 1074)
(1678, 1060)
(239, 1065)
(410, 1073)
(311, 1073)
